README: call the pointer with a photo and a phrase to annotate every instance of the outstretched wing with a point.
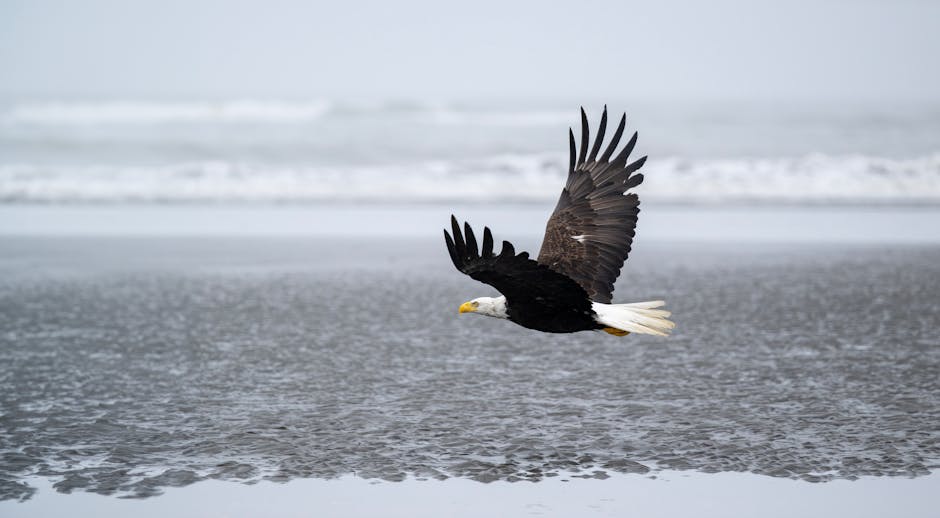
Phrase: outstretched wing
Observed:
(588, 236)
(520, 279)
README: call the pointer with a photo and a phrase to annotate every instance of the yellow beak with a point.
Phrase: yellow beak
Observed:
(467, 307)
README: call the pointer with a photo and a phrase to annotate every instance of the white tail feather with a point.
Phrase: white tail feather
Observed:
(637, 317)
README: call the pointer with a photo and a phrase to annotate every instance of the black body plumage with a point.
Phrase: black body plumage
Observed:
(537, 297)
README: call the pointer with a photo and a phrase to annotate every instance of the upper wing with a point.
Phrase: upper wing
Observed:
(589, 234)
(519, 278)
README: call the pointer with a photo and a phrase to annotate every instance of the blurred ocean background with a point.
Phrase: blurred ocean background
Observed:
(406, 152)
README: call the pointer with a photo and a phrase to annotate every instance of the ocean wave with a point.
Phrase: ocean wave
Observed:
(524, 178)
(268, 111)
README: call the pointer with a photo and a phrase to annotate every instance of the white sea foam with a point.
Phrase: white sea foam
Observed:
(812, 178)
(536, 178)
(264, 111)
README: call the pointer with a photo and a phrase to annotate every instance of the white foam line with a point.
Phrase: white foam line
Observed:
(809, 179)
(669, 494)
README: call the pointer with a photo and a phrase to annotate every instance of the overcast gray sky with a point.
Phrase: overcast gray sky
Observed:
(791, 50)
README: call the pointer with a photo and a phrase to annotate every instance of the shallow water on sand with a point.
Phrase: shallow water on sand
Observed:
(127, 366)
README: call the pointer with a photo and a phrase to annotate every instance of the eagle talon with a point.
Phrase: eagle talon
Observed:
(616, 332)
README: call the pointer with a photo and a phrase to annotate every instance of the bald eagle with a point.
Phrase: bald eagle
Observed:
(587, 239)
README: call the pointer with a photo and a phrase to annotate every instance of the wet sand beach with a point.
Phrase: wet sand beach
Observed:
(133, 365)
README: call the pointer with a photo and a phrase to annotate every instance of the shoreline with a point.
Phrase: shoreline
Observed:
(658, 222)
(660, 494)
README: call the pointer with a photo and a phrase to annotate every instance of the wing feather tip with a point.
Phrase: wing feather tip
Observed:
(487, 242)
(615, 140)
(599, 138)
(471, 240)
(585, 137)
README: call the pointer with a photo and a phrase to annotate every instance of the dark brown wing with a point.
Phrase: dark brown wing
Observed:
(588, 236)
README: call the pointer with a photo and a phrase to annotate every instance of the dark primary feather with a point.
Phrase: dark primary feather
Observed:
(593, 206)
(526, 284)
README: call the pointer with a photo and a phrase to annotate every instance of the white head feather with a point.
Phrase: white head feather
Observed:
(489, 306)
